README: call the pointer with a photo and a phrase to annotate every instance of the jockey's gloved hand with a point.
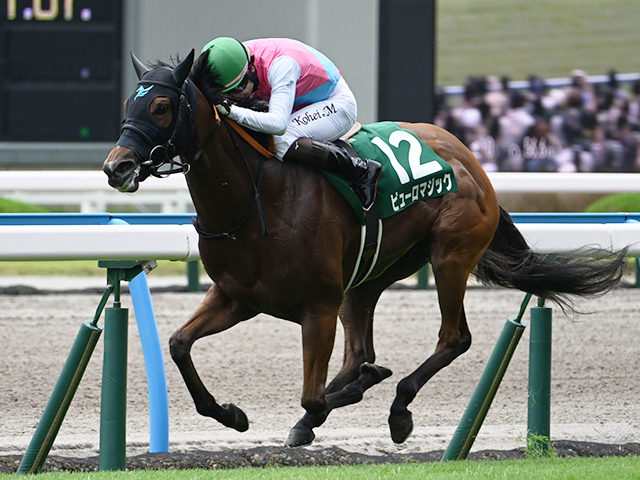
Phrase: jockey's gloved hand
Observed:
(224, 106)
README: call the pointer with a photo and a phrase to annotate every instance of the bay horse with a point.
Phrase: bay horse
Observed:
(278, 238)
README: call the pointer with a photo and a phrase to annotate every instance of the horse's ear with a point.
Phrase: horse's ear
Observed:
(141, 69)
(181, 71)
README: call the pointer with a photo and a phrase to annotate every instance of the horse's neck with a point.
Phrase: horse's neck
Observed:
(219, 182)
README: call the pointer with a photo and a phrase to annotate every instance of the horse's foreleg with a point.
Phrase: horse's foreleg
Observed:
(216, 313)
(454, 340)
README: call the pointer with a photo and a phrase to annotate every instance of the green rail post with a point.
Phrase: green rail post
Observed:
(60, 399)
(539, 408)
(423, 278)
(63, 392)
(114, 378)
(114, 390)
(193, 276)
(113, 410)
(487, 387)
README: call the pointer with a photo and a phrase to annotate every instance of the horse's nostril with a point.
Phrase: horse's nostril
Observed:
(124, 168)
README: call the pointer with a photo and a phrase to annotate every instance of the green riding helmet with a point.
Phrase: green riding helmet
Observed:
(228, 61)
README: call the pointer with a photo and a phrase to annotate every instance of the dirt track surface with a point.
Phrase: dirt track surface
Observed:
(258, 366)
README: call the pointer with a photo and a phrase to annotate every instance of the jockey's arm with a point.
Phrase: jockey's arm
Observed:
(283, 76)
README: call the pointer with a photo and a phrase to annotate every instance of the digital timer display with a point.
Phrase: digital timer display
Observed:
(37, 11)
(60, 70)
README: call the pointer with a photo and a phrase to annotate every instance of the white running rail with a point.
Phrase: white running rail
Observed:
(88, 191)
(180, 242)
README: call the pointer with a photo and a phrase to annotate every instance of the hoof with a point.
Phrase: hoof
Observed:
(239, 420)
(299, 437)
(401, 430)
(377, 371)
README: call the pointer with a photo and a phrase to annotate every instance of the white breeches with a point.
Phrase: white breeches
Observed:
(323, 121)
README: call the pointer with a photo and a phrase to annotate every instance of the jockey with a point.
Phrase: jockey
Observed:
(310, 104)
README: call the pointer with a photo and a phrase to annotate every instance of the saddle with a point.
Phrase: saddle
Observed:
(355, 128)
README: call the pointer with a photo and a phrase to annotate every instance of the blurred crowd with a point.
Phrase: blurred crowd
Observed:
(583, 127)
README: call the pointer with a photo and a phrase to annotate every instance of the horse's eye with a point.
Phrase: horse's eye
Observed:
(162, 109)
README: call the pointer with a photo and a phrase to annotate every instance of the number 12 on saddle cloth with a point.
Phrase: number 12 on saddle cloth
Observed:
(411, 171)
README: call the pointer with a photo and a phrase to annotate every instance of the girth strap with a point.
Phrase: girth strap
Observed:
(370, 241)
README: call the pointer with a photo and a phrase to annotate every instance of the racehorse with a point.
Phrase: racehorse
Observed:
(278, 238)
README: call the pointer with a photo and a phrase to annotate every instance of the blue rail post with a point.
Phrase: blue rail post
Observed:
(154, 364)
(152, 352)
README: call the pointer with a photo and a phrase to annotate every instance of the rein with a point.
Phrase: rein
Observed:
(257, 199)
(250, 140)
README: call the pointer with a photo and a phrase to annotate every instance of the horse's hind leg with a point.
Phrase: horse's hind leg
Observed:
(216, 313)
(357, 373)
(454, 340)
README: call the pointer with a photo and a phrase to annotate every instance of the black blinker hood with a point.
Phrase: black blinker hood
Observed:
(139, 132)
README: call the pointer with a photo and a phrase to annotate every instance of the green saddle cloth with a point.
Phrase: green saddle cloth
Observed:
(411, 170)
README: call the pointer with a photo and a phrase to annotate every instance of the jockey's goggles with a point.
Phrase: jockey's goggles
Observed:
(241, 86)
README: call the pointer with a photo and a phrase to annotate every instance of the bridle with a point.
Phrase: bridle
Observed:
(166, 153)
(181, 136)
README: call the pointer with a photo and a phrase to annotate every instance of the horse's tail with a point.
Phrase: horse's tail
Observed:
(510, 262)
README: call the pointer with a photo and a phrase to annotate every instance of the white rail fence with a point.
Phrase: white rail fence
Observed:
(98, 242)
(88, 191)
(179, 242)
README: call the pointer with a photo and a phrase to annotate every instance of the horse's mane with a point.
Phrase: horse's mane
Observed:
(159, 63)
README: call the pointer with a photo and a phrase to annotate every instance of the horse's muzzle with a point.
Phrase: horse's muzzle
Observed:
(122, 169)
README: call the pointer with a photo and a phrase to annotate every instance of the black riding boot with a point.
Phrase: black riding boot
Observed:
(361, 173)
